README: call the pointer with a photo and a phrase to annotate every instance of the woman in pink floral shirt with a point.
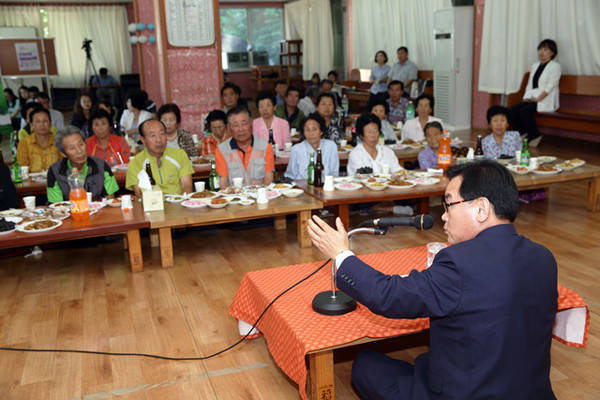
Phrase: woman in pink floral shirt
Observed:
(500, 142)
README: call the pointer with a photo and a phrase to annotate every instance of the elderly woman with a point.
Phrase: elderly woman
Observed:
(217, 122)
(26, 111)
(500, 142)
(265, 102)
(37, 151)
(379, 74)
(369, 153)
(99, 179)
(541, 93)
(333, 125)
(103, 144)
(81, 113)
(415, 128)
(312, 128)
(381, 108)
(170, 115)
(134, 115)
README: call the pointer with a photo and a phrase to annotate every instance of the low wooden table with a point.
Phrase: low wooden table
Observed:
(294, 331)
(107, 221)
(175, 215)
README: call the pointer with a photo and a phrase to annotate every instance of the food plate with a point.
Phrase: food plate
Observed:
(551, 172)
(218, 202)
(409, 184)
(252, 188)
(519, 169)
(246, 202)
(284, 154)
(292, 192)
(113, 202)
(271, 194)
(376, 185)
(347, 186)
(13, 212)
(121, 167)
(175, 198)
(235, 198)
(426, 181)
(193, 203)
(342, 179)
(231, 190)
(545, 159)
(14, 220)
(571, 164)
(62, 205)
(96, 205)
(372, 179)
(281, 186)
(205, 194)
(421, 174)
(39, 226)
(398, 146)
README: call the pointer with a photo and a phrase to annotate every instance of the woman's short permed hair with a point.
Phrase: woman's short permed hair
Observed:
(365, 120)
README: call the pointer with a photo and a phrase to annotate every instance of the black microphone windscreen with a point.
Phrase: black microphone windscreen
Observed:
(423, 221)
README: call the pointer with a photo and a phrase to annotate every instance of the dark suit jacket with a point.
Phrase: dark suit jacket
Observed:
(491, 302)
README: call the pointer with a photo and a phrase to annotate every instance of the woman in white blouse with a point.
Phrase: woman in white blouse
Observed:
(541, 94)
(413, 129)
(369, 153)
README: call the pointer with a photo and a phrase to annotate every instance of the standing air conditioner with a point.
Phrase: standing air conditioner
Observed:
(453, 66)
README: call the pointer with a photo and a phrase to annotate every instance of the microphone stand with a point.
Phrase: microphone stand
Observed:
(336, 302)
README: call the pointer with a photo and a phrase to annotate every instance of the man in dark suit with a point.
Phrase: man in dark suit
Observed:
(491, 298)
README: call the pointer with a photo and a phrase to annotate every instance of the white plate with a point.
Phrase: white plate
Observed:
(252, 188)
(292, 192)
(342, 179)
(376, 188)
(367, 182)
(232, 197)
(396, 187)
(285, 186)
(13, 212)
(271, 194)
(96, 205)
(193, 203)
(62, 205)
(14, 220)
(21, 228)
(571, 166)
(347, 186)
(246, 202)
(420, 174)
(545, 159)
(113, 202)
(398, 146)
(220, 205)
(426, 181)
(513, 168)
(191, 196)
(175, 198)
(556, 171)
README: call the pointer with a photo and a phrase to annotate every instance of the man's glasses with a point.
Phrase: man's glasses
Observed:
(448, 205)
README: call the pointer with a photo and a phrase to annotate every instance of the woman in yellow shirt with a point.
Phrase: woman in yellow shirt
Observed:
(38, 150)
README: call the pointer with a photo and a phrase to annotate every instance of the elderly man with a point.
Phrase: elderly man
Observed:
(171, 168)
(37, 151)
(244, 155)
(396, 102)
(99, 179)
(290, 111)
(56, 117)
(491, 298)
(404, 70)
(230, 93)
(280, 88)
(308, 102)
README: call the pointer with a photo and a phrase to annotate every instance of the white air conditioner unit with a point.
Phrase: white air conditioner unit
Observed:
(453, 66)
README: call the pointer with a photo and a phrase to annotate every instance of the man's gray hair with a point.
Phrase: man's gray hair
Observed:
(66, 132)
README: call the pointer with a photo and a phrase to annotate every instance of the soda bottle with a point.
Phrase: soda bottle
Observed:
(271, 138)
(410, 111)
(318, 170)
(80, 210)
(17, 171)
(479, 150)
(525, 155)
(444, 152)
(345, 106)
(311, 170)
(381, 140)
(213, 178)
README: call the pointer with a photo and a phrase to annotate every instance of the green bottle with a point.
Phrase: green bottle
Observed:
(213, 178)
(525, 155)
(381, 140)
(17, 171)
(311, 170)
(410, 111)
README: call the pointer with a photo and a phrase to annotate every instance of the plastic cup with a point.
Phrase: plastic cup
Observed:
(288, 147)
(199, 186)
(432, 249)
(238, 182)
(533, 163)
(261, 197)
(343, 143)
(25, 172)
(328, 184)
(29, 202)
(89, 197)
(385, 169)
(518, 156)
(126, 203)
(293, 132)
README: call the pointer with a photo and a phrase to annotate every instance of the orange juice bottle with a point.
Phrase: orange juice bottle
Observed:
(444, 152)
(80, 210)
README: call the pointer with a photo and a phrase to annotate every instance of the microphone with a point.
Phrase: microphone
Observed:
(421, 222)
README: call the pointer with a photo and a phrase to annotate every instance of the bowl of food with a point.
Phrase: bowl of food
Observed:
(113, 202)
(205, 194)
(292, 192)
(219, 202)
(376, 185)
(401, 184)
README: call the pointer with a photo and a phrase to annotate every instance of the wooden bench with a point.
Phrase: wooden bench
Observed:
(565, 118)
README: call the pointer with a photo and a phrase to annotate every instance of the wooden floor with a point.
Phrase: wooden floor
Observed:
(86, 298)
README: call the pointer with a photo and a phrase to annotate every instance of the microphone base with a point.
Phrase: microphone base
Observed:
(341, 304)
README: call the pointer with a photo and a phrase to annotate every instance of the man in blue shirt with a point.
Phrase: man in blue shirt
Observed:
(105, 86)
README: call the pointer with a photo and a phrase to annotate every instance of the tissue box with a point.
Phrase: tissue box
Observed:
(152, 200)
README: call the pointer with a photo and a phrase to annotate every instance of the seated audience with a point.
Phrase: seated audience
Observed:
(244, 155)
(500, 142)
(103, 144)
(404, 70)
(369, 153)
(217, 122)
(333, 125)
(379, 75)
(8, 192)
(171, 168)
(56, 117)
(381, 108)
(396, 102)
(280, 88)
(314, 81)
(230, 93)
(33, 90)
(265, 102)
(290, 111)
(106, 86)
(14, 108)
(415, 128)
(327, 87)
(38, 150)
(99, 179)
(308, 102)
(134, 115)
(150, 104)
(81, 113)
(106, 106)
(25, 116)
(428, 158)
(170, 115)
(24, 95)
(312, 128)
(335, 83)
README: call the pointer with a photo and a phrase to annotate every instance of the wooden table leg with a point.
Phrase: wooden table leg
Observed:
(125, 245)
(303, 236)
(154, 241)
(280, 223)
(166, 247)
(593, 193)
(423, 205)
(321, 375)
(135, 250)
(343, 211)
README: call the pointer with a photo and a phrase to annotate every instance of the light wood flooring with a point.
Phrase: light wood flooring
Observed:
(86, 298)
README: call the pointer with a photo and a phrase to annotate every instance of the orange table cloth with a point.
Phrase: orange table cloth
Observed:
(292, 329)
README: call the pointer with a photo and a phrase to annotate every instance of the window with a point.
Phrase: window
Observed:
(250, 36)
